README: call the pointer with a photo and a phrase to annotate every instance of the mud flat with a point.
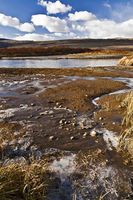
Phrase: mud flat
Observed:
(71, 120)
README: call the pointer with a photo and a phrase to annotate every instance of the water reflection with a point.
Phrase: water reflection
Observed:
(58, 63)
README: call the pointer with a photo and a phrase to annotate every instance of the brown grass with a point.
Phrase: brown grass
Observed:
(28, 182)
(78, 95)
(126, 61)
(126, 142)
(97, 72)
(39, 51)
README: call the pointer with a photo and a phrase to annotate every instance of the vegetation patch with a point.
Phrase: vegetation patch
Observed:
(25, 182)
(78, 95)
(126, 142)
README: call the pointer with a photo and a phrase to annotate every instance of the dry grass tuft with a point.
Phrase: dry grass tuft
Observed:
(22, 182)
(100, 180)
(126, 141)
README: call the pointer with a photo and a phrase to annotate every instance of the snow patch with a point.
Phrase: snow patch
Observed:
(64, 167)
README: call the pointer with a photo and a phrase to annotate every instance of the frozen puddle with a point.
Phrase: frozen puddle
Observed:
(110, 137)
(64, 167)
(11, 112)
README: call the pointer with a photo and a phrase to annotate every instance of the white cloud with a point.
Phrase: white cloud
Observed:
(55, 7)
(1, 36)
(34, 37)
(82, 24)
(107, 5)
(81, 16)
(15, 23)
(45, 37)
(52, 24)
(104, 29)
(96, 28)
(121, 11)
(26, 27)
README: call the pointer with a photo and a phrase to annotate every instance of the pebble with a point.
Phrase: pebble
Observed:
(51, 138)
(32, 104)
(93, 133)
(44, 113)
(100, 118)
(85, 134)
(74, 124)
(37, 117)
(62, 121)
(72, 137)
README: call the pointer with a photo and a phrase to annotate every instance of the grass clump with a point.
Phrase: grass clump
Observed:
(24, 182)
(126, 140)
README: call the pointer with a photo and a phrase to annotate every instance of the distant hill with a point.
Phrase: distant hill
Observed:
(74, 43)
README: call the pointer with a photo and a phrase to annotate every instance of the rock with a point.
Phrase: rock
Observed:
(66, 122)
(74, 124)
(37, 117)
(16, 133)
(44, 113)
(72, 137)
(86, 124)
(51, 112)
(32, 104)
(85, 134)
(62, 121)
(93, 133)
(100, 118)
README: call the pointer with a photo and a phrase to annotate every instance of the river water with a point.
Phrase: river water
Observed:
(56, 63)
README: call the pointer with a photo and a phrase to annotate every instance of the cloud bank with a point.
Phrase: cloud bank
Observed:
(15, 23)
(52, 24)
(77, 24)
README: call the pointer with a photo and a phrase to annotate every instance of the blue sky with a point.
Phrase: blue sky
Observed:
(62, 19)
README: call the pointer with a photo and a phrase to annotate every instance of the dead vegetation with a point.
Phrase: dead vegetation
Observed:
(24, 182)
(39, 51)
(126, 61)
(77, 95)
(126, 141)
(89, 71)
(98, 179)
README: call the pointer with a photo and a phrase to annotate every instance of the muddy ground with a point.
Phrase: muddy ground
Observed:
(74, 110)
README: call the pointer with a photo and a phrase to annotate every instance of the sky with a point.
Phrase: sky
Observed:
(65, 19)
